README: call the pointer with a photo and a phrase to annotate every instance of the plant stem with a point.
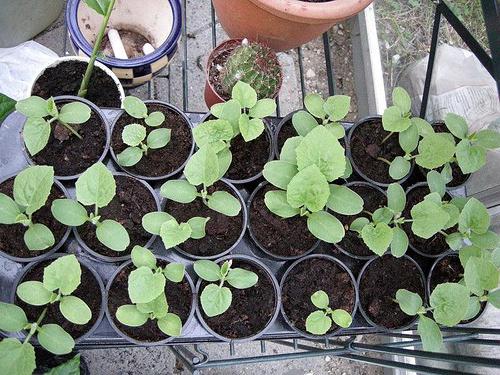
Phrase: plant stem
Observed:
(70, 129)
(82, 92)
(40, 318)
(384, 160)
(387, 137)
(443, 233)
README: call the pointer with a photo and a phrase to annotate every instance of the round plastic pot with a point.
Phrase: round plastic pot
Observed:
(163, 177)
(147, 343)
(243, 228)
(95, 109)
(269, 134)
(122, 258)
(83, 263)
(367, 317)
(337, 245)
(283, 121)
(97, 65)
(356, 168)
(56, 247)
(211, 95)
(256, 241)
(277, 295)
(283, 24)
(353, 281)
(134, 71)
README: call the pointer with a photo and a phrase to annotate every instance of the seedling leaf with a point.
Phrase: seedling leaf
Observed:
(113, 235)
(344, 200)
(55, 339)
(326, 227)
(34, 293)
(225, 203)
(75, 310)
(64, 274)
(215, 300)
(179, 191)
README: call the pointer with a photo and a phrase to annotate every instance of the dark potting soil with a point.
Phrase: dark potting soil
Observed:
(70, 155)
(251, 309)
(65, 79)
(222, 231)
(352, 242)
(436, 244)
(162, 161)
(132, 42)
(283, 237)
(307, 278)
(378, 287)
(11, 236)
(131, 202)
(179, 298)
(366, 147)
(287, 131)
(88, 290)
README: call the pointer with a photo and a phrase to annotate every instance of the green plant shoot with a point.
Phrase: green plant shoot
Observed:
(320, 321)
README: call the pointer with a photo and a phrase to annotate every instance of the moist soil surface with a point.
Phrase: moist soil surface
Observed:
(162, 161)
(131, 202)
(374, 199)
(11, 236)
(251, 309)
(88, 290)
(282, 237)
(222, 231)
(366, 147)
(307, 278)
(65, 79)
(132, 41)
(436, 244)
(378, 287)
(70, 155)
(179, 297)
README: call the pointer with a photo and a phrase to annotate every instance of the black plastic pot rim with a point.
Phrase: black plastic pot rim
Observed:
(171, 174)
(104, 122)
(354, 256)
(367, 317)
(270, 138)
(283, 121)
(147, 343)
(83, 263)
(277, 295)
(256, 241)
(56, 247)
(122, 258)
(355, 166)
(353, 282)
(243, 227)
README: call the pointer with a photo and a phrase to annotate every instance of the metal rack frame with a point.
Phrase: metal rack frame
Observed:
(194, 358)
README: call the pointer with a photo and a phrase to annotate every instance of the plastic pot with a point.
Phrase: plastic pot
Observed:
(83, 263)
(124, 335)
(121, 258)
(357, 168)
(56, 247)
(256, 241)
(211, 95)
(95, 109)
(284, 120)
(163, 177)
(363, 312)
(258, 264)
(283, 24)
(159, 21)
(353, 282)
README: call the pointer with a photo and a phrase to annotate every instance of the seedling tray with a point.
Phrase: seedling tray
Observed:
(12, 160)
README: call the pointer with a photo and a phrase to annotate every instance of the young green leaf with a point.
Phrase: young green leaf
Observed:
(170, 325)
(399, 243)
(36, 134)
(202, 167)
(308, 188)
(55, 339)
(179, 191)
(241, 279)
(396, 198)
(34, 106)
(69, 212)
(488, 139)
(174, 272)
(320, 299)
(207, 270)
(130, 156)
(377, 237)
(113, 235)
(214, 300)
(7, 105)
(399, 168)
(408, 139)
(213, 131)
(96, 186)
(344, 200)
(158, 138)
(424, 128)
(13, 317)
(288, 153)
(494, 298)
(303, 122)
(198, 225)
(436, 183)
(142, 257)
(250, 129)
(153, 221)
(17, 358)
(244, 94)
(63, 274)
(34, 293)
(409, 302)
(173, 233)
(456, 125)
(428, 219)
(470, 158)
(341, 318)
(467, 252)
(314, 104)
(9, 210)
(393, 120)
(224, 158)
(358, 224)
(325, 227)
(337, 107)
(276, 203)
(474, 217)
(32, 187)
(401, 99)
(480, 274)
(489, 240)
(450, 302)
(435, 150)
(382, 215)
(38, 237)
(158, 307)
(155, 119)
(131, 316)
(133, 134)
(100, 6)
(135, 107)
(263, 108)
(75, 310)
(432, 339)
(279, 173)
(225, 203)
(318, 323)
(74, 113)
(144, 285)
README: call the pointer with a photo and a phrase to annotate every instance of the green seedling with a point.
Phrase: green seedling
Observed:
(320, 321)
(42, 113)
(171, 232)
(32, 188)
(204, 168)
(217, 298)
(327, 112)
(7, 105)
(103, 8)
(304, 174)
(135, 135)
(95, 187)
(146, 290)
(60, 279)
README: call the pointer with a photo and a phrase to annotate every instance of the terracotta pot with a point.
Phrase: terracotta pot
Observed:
(283, 24)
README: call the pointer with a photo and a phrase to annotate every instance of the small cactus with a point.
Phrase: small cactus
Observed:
(255, 64)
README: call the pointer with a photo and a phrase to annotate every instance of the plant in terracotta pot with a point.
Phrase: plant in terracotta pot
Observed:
(203, 194)
(68, 133)
(240, 60)
(236, 129)
(55, 303)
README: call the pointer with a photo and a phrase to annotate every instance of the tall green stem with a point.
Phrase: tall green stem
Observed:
(40, 318)
(82, 92)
